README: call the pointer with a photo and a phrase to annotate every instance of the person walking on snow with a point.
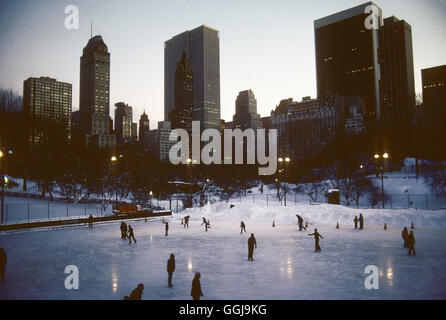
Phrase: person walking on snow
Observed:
(242, 227)
(404, 235)
(411, 243)
(196, 292)
(361, 221)
(252, 243)
(186, 221)
(355, 220)
(131, 235)
(316, 239)
(170, 268)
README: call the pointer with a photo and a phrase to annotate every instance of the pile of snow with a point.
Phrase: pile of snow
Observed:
(322, 213)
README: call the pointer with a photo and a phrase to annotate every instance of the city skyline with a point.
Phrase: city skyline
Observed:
(247, 61)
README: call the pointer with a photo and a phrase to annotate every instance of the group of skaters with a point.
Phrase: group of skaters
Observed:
(195, 293)
(409, 240)
(127, 232)
(360, 220)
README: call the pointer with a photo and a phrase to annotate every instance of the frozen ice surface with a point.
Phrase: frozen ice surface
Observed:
(285, 265)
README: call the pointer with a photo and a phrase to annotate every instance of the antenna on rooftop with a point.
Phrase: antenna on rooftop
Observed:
(91, 29)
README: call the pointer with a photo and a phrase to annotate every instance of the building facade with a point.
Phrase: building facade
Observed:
(434, 98)
(94, 96)
(123, 123)
(246, 115)
(347, 61)
(304, 128)
(144, 126)
(397, 84)
(157, 141)
(202, 48)
(46, 100)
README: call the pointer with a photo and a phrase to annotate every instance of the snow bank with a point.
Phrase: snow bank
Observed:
(322, 213)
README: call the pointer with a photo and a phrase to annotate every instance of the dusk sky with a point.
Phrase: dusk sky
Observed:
(267, 46)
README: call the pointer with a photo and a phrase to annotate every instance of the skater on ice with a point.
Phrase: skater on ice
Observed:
(3, 261)
(361, 221)
(316, 239)
(166, 228)
(136, 293)
(404, 235)
(356, 220)
(300, 222)
(204, 221)
(90, 221)
(131, 235)
(242, 227)
(186, 221)
(411, 243)
(170, 268)
(123, 230)
(252, 243)
(196, 292)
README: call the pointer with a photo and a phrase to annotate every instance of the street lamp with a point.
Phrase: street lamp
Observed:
(380, 158)
(282, 170)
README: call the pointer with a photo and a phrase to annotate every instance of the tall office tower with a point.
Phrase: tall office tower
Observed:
(144, 126)
(347, 57)
(46, 101)
(134, 132)
(123, 123)
(246, 115)
(201, 46)
(434, 99)
(397, 83)
(94, 98)
(183, 114)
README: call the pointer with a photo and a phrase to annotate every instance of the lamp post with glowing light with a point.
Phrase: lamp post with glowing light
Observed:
(4, 180)
(285, 160)
(379, 162)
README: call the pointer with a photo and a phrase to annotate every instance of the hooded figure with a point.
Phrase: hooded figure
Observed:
(196, 292)
(404, 235)
(3, 261)
(136, 293)
(252, 243)
(316, 239)
(170, 268)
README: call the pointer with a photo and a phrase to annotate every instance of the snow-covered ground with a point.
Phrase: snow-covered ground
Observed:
(285, 265)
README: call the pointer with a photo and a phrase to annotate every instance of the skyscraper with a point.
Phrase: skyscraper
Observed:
(201, 46)
(183, 114)
(246, 115)
(48, 100)
(123, 123)
(94, 97)
(397, 83)
(144, 126)
(347, 57)
(434, 98)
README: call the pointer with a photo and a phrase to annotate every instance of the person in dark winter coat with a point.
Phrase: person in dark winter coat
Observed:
(242, 227)
(123, 230)
(252, 243)
(131, 235)
(196, 292)
(186, 221)
(204, 221)
(316, 239)
(166, 228)
(356, 220)
(361, 221)
(170, 268)
(404, 235)
(411, 243)
(136, 293)
(300, 222)
(3, 261)
(90, 221)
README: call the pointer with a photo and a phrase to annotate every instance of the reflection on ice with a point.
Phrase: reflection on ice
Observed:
(114, 280)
